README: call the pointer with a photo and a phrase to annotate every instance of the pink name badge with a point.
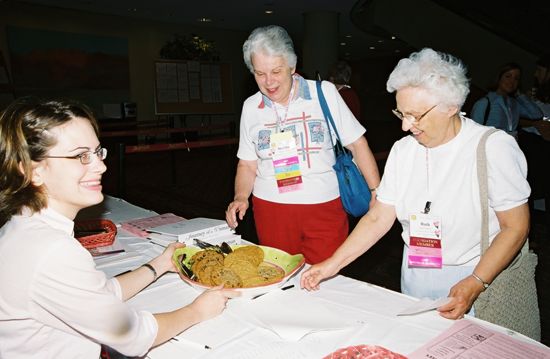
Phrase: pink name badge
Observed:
(286, 162)
(424, 241)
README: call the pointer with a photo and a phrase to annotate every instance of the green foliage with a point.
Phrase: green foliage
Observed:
(184, 47)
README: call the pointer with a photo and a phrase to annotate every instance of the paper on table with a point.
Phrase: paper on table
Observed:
(424, 305)
(216, 331)
(138, 226)
(292, 314)
(466, 339)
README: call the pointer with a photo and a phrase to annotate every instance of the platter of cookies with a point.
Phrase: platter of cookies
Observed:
(250, 269)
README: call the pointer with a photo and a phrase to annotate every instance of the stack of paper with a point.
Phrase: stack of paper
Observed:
(214, 231)
(139, 227)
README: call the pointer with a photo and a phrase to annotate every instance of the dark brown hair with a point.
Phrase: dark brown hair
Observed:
(25, 138)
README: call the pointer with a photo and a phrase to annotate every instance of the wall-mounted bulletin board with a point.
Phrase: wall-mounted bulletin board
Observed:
(192, 87)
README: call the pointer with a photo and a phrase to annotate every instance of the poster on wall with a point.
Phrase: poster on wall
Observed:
(86, 67)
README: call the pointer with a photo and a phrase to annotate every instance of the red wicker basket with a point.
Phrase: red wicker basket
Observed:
(95, 232)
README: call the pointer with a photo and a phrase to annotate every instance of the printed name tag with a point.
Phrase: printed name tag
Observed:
(425, 241)
(286, 162)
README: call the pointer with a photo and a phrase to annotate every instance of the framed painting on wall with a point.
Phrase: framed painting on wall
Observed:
(90, 68)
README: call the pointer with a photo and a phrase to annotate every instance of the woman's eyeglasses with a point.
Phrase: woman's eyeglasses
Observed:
(412, 120)
(86, 157)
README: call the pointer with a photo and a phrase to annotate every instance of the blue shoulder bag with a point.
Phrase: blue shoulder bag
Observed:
(354, 190)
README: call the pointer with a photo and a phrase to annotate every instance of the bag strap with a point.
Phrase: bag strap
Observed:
(481, 157)
(487, 111)
(484, 198)
(328, 117)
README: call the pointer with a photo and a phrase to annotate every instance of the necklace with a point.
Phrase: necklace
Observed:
(282, 120)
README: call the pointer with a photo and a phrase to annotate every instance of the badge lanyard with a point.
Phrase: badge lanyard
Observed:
(508, 112)
(428, 203)
(282, 120)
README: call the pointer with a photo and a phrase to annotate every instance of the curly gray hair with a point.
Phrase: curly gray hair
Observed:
(442, 75)
(272, 40)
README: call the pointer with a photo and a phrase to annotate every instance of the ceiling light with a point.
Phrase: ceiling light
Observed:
(393, 37)
(348, 36)
(342, 44)
(372, 47)
(204, 19)
(380, 41)
(269, 12)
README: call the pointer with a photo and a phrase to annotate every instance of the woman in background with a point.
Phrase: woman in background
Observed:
(54, 303)
(503, 107)
(340, 75)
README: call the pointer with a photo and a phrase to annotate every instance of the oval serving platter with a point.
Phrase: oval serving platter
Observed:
(291, 264)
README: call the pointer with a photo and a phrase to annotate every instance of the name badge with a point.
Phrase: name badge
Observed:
(425, 241)
(286, 162)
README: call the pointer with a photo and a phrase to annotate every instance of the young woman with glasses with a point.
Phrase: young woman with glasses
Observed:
(54, 303)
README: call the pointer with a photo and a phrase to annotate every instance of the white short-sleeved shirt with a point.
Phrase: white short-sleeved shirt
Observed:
(306, 121)
(54, 303)
(447, 176)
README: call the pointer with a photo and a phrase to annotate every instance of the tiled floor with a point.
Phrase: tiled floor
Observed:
(204, 186)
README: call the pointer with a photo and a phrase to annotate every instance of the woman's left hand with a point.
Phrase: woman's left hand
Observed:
(163, 263)
(462, 296)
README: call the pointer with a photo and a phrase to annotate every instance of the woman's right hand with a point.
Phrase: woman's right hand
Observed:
(315, 274)
(212, 302)
(237, 206)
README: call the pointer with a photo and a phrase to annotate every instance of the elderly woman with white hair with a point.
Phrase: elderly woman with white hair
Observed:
(430, 185)
(286, 156)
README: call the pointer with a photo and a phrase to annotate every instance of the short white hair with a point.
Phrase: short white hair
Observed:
(271, 40)
(441, 75)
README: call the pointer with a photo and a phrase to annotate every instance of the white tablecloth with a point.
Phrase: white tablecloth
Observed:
(367, 313)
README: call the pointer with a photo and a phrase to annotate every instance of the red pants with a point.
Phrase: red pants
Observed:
(315, 230)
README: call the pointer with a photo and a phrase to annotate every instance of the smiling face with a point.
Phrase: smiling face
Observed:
(509, 82)
(70, 185)
(437, 127)
(273, 76)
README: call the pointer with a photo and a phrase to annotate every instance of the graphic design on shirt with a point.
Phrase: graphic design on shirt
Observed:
(309, 134)
(263, 140)
(316, 130)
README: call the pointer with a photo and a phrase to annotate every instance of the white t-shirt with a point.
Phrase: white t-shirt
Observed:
(54, 303)
(306, 121)
(447, 176)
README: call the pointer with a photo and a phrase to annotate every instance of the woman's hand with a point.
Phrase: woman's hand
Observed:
(212, 302)
(463, 295)
(315, 274)
(238, 206)
(163, 263)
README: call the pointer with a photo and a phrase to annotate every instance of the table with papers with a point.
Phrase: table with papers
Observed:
(285, 324)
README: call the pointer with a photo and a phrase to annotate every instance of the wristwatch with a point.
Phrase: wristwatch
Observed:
(485, 284)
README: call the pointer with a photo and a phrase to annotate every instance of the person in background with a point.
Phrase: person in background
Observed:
(430, 178)
(286, 157)
(503, 107)
(340, 75)
(534, 140)
(54, 303)
(541, 89)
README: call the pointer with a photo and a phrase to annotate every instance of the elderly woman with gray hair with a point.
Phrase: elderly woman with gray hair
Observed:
(286, 156)
(430, 185)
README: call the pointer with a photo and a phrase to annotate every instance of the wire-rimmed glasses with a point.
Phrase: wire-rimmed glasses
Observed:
(86, 157)
(411, 120)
